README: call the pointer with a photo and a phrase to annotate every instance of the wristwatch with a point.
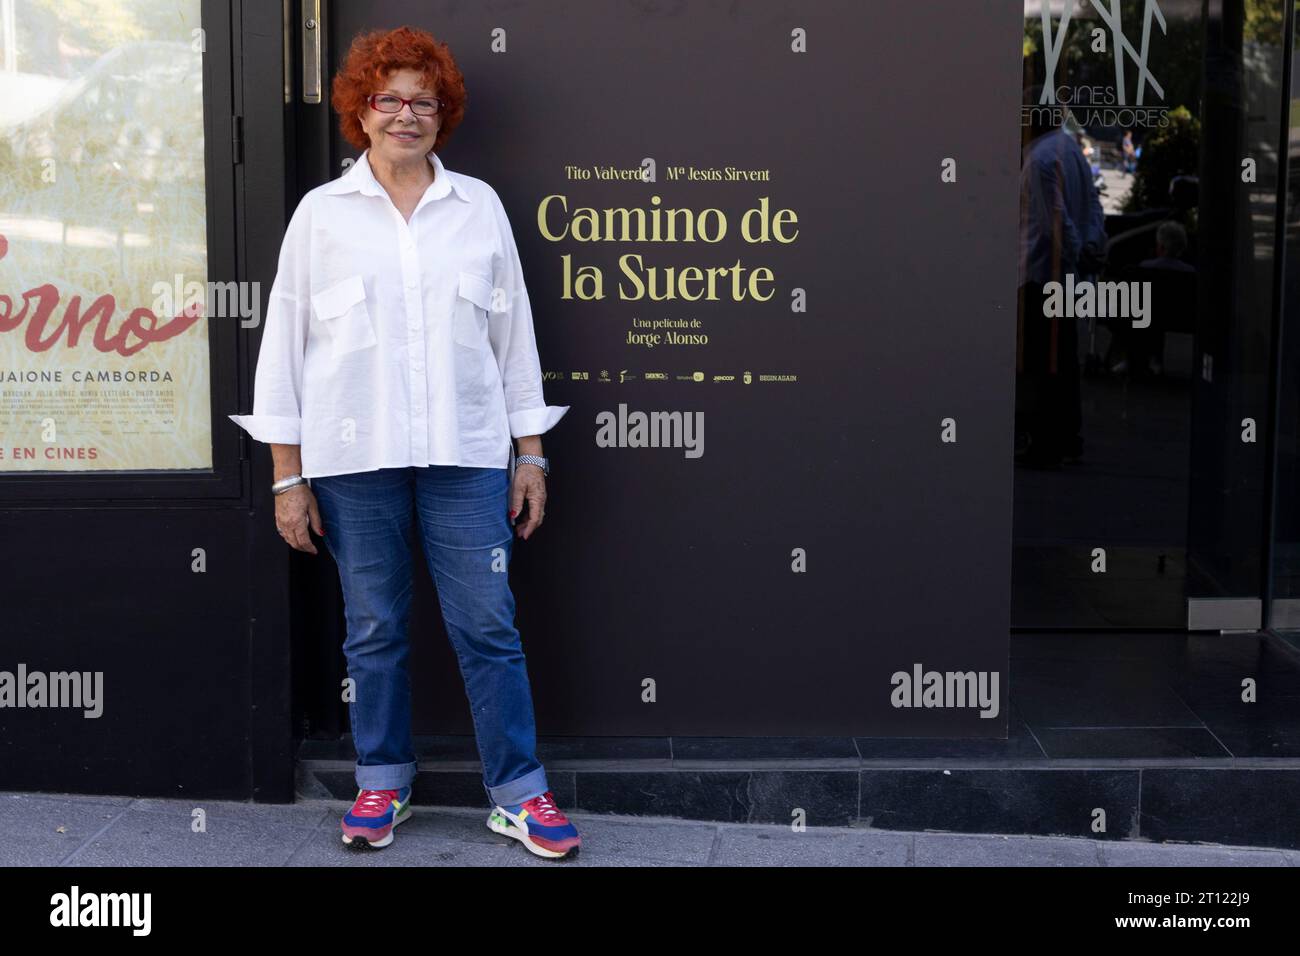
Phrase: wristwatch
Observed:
(535, 460)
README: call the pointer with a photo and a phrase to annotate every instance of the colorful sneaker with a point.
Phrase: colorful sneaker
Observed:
(373, 816)
(539, 825)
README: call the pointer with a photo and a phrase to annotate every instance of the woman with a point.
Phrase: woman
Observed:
(397, 362)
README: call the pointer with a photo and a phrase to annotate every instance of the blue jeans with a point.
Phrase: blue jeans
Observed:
(467, 538)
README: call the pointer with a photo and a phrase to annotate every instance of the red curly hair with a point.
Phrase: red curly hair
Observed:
(370, 60)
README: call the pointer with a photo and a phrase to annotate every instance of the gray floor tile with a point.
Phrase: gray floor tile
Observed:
(816, 846)
(47, 829)
(142, 838)
(620, 842)
(1137, 853)
(606, 841)
(953, 849)
(326, 848)
(107, 798)
(302, 814)
(37, 830)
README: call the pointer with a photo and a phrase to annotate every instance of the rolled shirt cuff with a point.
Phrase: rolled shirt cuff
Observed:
(535, 421)
(272, 429)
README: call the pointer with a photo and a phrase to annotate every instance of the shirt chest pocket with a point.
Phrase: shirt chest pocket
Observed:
(473, 304)
(342, 312)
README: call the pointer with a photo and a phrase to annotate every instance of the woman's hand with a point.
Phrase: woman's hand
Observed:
(293, 509)
(529, 485)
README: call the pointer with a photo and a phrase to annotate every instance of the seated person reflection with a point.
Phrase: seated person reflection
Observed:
(1173, 305)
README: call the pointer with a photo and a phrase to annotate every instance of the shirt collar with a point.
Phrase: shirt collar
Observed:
(361, 178)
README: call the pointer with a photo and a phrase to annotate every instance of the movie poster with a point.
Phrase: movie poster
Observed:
(766, 252)
(673, 259)
(104, 359)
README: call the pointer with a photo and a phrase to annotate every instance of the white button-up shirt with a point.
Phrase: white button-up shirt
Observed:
(390, 343)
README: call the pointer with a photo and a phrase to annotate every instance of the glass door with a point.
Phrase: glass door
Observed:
(1149, 206)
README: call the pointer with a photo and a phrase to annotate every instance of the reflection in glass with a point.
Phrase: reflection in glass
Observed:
(1143, 347)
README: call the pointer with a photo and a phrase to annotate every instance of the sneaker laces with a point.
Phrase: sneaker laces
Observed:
(373, 802)
(543, 807)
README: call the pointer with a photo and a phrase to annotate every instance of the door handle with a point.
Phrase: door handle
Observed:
(311, 43)
(286, 30)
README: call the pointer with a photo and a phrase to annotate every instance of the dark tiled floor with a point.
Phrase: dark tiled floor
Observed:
(1075, 696)
(1110, 736)
(1157, 696)
(1128, 494)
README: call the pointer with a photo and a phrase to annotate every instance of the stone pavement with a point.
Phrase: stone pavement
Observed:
(38, 829)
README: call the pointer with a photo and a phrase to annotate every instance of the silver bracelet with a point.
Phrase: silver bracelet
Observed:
(538, 460)
(284, 484)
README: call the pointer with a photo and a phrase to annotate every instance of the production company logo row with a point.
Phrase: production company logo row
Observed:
(628, 375)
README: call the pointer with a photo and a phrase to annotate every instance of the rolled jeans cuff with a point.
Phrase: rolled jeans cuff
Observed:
(530, 785)
(393, 776)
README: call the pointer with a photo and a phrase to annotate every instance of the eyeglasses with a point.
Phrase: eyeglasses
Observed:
(389, 103)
